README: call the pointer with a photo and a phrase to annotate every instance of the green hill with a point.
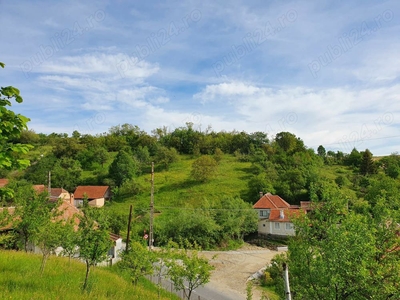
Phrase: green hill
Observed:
(20, 279)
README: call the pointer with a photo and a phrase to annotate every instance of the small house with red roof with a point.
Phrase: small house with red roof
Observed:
(274, 216)
(55, 193)
(96, 195)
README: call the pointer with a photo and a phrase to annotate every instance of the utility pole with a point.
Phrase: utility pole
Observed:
(286, 282)
(129, 229)
(151, 239)
(49, 185)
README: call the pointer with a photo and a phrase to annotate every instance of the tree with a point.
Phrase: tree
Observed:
(34, 212)
(69, 239)
(48, 238)
(188, 269)
(11, 127)
(367, 165)
(123, 168)
(138, 260)
(354, 158)
(94, 240)
(204, 168)
(218, 155)
(334, 246)
(166, 156)
(321, 151)
(66, 173)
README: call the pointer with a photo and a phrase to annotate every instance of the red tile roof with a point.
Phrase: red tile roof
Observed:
(69, 211)
(3, 182)
(39, 188)
(271, 201)
(92, 192)
(288, 214)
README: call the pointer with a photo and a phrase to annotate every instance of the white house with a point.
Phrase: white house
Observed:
(275, 214)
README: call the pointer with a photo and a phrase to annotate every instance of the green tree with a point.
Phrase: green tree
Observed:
(33, 212)
(334, 247)
(354, 158)
(11, 127)
(204, 168)
(123, 168)
(138, 261)
(70, 238)
(94, 239)
(66, 173)
(166, 156)
(188, 269)
(218, 155)
(367, 165)
(48, 238)
(321, 151)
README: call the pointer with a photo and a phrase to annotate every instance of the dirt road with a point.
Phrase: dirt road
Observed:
(233, 268)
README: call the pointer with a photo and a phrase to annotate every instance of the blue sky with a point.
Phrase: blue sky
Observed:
(327, 71)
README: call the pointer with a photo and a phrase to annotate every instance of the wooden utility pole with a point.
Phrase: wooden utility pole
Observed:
(49, 185)
(286, 282)
(129, 229)
(151, 238)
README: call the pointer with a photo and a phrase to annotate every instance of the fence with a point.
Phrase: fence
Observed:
(169, 286)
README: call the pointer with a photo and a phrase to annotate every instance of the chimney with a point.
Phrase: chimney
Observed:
(261, 194)
(281, 214)
(71, 199)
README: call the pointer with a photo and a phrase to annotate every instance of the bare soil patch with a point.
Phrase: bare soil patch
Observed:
(233, 268)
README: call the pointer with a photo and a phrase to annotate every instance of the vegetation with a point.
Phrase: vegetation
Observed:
(20, 279)
(210, 180)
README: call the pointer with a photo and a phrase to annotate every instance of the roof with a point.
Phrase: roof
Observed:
(3, 182)
(271, 201)
(114, 237)
(91, 191)
(39, 188)
(288, 214)
(69, 211)
(55, 193)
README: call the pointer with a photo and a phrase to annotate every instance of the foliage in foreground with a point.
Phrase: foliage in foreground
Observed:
(338, 253)
(20, 279)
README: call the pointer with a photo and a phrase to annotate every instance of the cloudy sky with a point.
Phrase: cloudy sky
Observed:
(327, 71)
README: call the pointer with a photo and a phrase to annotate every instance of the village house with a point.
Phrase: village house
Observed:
(55, 193)
(275, 214)
(96, 195)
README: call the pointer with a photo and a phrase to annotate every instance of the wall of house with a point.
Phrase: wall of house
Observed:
(266, 227)
(99, 202)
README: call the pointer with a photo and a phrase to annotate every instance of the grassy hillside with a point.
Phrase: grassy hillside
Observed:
(174, 188)
(20, 279)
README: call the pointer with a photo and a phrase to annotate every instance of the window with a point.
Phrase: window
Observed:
(289, 226)
(264, 213)
(277, 225)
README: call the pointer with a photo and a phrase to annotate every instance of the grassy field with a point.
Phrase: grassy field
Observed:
(174, 188)
(20, 279)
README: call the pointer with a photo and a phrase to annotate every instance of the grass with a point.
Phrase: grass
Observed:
(20, 279)
(175, 188)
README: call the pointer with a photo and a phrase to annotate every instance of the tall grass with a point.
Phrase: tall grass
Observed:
(20, 279)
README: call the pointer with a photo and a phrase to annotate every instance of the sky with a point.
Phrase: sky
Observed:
(327, 71)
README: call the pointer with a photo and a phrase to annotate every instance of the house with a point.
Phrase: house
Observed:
(55, 193)
(116, 249)
(274, 215)
(96, 195)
